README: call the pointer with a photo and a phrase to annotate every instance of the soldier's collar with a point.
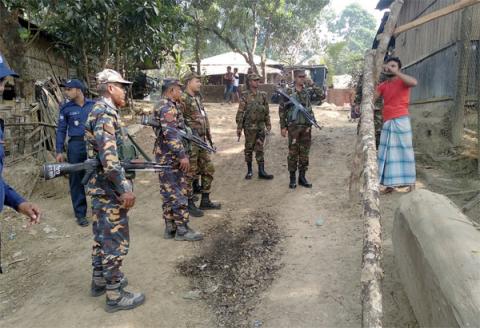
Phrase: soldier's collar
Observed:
(109, 103)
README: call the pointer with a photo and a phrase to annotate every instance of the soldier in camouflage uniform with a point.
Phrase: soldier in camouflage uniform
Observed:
(299, 131)
(112, 195)
(200, 163)
(171, 150)
(253, 117)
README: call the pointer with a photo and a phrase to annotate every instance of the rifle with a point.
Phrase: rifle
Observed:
(149, 120)
(90, 166)
(298, 108)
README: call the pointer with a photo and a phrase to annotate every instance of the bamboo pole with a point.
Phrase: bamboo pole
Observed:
(372, 273)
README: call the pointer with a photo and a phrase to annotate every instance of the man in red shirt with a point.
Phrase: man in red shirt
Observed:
(396, 160)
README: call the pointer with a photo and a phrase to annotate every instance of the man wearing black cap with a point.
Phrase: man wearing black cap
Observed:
(171, 150)
(71, 122)
(8, 196)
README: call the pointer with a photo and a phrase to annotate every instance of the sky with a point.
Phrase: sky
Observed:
(369, 5)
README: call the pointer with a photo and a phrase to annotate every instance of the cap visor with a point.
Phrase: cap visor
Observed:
(7, 72)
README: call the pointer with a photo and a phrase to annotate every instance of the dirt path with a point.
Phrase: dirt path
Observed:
(314, 281)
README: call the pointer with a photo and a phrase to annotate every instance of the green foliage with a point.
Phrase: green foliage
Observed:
(355, 28)
(123, 34)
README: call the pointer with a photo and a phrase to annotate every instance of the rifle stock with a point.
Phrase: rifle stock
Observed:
(299, 108)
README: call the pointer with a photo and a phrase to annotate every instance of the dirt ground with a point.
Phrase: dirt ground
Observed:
(272, 257)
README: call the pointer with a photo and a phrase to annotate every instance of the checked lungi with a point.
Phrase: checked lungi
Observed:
(396, 160)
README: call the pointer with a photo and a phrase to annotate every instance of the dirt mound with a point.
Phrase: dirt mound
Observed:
(235, 266)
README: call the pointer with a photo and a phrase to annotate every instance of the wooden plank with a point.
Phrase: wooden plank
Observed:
(436, 14)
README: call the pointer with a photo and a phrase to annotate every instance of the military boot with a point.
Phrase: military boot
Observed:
(99, 284)
(196, 186)
(193, 209)
(170, 229)
(262, 174)
(249, 171)
(293, 180)
(302, 180)
(119, 299)
(185, 233)
(206, 204)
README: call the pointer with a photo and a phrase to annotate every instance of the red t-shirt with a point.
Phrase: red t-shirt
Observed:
(396, 96)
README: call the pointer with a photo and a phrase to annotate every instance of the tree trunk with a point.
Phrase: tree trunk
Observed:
(198, 37)
(372, 273)
(385, 37)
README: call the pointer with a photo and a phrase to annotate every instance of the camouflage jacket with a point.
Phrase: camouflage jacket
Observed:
(103, 135)
(253, 111)
(195, 116)
(286, 111)
(169, 146)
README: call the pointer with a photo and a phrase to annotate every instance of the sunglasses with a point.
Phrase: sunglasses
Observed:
(301, 76)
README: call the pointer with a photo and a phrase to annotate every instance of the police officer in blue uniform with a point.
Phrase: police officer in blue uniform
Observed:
(8, 196)
(71, 122)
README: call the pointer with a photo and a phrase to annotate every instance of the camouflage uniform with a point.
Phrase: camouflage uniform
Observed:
(299, 131)
(169, 150)
(200, 162)
(253, 116)
(110, 220)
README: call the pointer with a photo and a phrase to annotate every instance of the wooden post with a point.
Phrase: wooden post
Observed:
(477, 92)
(386, 36)
(464, 51)
(372, 273)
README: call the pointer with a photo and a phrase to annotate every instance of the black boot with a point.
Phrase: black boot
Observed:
(206, 204)
(170, 229)
(249, 171)
(303, 181)
(185, 233)
(293, 180)
(196, 186)
(262, 174)
(193, 209)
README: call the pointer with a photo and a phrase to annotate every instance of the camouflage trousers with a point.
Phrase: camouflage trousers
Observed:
(200, 165)
(174, 188)
(111, 237)
(254, 141)
(299, 142)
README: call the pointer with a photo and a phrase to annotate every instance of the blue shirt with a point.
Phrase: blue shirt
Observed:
(8, 196)
(72, 120)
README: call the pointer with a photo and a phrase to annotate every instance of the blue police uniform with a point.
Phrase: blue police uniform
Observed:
(8, 196)
(71, 121)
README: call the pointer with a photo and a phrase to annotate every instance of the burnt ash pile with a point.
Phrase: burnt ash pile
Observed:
(235, 267)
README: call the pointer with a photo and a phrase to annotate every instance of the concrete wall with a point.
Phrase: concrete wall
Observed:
(436, 251)
(340, 97)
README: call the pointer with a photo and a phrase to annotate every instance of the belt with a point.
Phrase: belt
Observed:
(77, 138)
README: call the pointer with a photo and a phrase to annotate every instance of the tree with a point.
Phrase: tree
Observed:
(353, 32)
(250, 27)
(121, 34)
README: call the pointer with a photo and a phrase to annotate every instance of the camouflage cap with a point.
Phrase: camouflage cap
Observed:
(169, 82)
(253, 77)
(190, 76)
(111, 76)
(298, 72)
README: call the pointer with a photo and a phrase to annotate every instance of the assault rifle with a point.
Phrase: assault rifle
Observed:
(90, 166)
(299, 108)
(149, 120)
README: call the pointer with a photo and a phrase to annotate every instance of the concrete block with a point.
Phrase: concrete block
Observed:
(437, 252)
